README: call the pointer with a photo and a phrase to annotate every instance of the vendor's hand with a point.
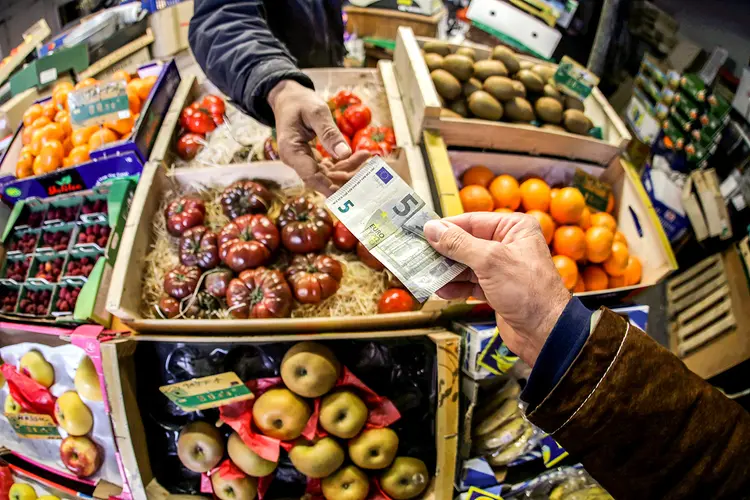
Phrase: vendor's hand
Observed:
(301, 115)
(510, 267)
(340, 172)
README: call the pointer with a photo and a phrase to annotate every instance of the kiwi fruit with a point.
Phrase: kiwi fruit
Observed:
(548, 109)
(544, 70)
(483, 105)
(488, 67)
(468, 52)
(551, 91)
(447, 113)
(459, 106)
(446, 84)
(434, 61)
(526, 64)
(461, 67)
(470, 86)
(576, 122)
(552, 126)
(573, 103)
(520, 89)
(507, 57)
(437, 47)
(501, 88)
(530, 80)
(519, 109)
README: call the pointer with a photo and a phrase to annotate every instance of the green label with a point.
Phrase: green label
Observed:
(97, 104)
(34, 426)
(207, 392)
(594, 191)
(573, 79)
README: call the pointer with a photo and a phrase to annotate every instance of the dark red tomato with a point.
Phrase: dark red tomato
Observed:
(305, 227)
(184, 213)
(188, 145)
(322, 150)
(367, 258)
(395, 300)
(200, 122)
(248, 241)
(198, 247)
(169, 307)
(217, 281)
(383, 137)
(358, 116)
(314, 277)
(259, 293)
(182, 281)
(245, 197)
(343, 99)
(343, 239)
(213, 104)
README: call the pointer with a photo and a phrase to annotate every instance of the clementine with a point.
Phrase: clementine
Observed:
(475, 199)
(504, 210)
(81, 136)
(53, 131)
(567, 206)
(585, 221)
(145, 88)
(49, 109)
(610, 203)
(620, 237)
(553, 192)
(617, 261)
(53, 147)
(24, 166)
(598, 244)
(594, 278)
(134, 102)
(617, 281)
(86, 83)
(580, 287)
(633, 271)
(570, 241)
(26, 135)
(60, 98)
(545, 222)
(567, 269)
(122, 127)
(478, 175)
(44, 164)
(605, 220)
(78, 155)
(40, 122)
(31, 114)
(67, 146)
(505, 192)
(101, 137)
(535, 195)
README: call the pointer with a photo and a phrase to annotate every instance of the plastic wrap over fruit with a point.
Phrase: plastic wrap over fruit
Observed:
(402, 370)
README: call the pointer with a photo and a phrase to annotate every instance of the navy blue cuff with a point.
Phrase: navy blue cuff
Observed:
(558, 353)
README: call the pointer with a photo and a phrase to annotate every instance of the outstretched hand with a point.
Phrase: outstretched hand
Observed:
(510, 267)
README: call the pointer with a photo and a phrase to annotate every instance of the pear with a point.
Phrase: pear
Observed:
(35, 366)
(87, 380)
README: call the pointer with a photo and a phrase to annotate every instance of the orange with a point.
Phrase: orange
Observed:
(49, 109)
(134, 85)
(62, 86)
(101, 137)
(553, 192)
(81, 136)
(598, 244)
(567, 207)
(617, 262)
(594, 278)
(122, 127)
(36, 141)
(546, 223)
(60, 98)
(535, 195)
(505, 192)
(44, 164)
(86, 83)
(633, 271)
(585, 221)
(26, 150)
(53, 148)
(617, 281)
(78, 155)
(504, 210)
(40, 122)
(63, 118)
(24, 166)
(620, 237)
(26, 135)
(134, 102)
(605, 220)
(145, 88)
(53, 131)
(121, 74)
(570, 241)
(31, 114)
(67, 146)
(610, 203)
(567, 269)
(580, 287)
(478, 175)
(475, 199)
(67, 162)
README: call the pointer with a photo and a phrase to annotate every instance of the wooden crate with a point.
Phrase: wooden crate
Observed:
(120, 373)
(423, 112)
(384, 23)
(636, 217)
(709, 310)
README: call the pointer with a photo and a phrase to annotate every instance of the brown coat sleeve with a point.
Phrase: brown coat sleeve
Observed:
(645, 426)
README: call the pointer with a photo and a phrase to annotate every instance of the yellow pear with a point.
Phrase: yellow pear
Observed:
(246, 459)
(347, 483)
(20, 491)
(343, 414)
(281, 414)
(374, 448)
(11, 407)
(310, 369)
(406, 478)
(87, 380)
(245, 488)
(318, 459)
(35, 366)
(73, 415)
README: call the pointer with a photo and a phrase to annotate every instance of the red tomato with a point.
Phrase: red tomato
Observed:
(213, 104)
(185, 116)
(184, 213)
(358, 116)
(367, 144)
(218, 119)
(323, 151)
(344, 126)
(395, 300)
(383, 137)
(304, 226)
(200, 122)
(343, 239)
(367, 258)
(259, 293)
(188, 145)
(342, 99)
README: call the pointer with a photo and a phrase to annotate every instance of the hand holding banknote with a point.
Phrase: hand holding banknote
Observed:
(510, 267)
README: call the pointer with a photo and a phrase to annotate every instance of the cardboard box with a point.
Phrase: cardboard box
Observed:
(172, 26)
(423, 7)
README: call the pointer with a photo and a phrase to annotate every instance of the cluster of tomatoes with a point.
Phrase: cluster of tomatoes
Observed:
(353, 119)
(197, 120)
(588, 250)
(49, 140)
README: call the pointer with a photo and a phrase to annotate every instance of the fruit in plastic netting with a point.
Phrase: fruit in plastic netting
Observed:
(617, 262)
(567, 269)
(603, 219)
(478, 175)
(599, 241)
(281, 414)
(374, 448)
(20, 491)
(535, 195)
(475, 199)
(246, 459)
(347, 483)
(633, 271)
(310, 369)
(73, 415)
(200, 446)
(566, 207)
(318, 459)
(343, 414)
(545, 222)
(86, 380)
(35, 366)
(243, 488)
(570, 241)
(406, 478)
(594, 278)
(505, 192)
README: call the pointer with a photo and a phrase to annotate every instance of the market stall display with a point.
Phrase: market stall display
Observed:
(463, 91)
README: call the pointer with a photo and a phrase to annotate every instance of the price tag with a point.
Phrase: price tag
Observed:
(573, 79)
(594, 191)
(97, 104)
(207, 392)
(496, 357)
(34, 426)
